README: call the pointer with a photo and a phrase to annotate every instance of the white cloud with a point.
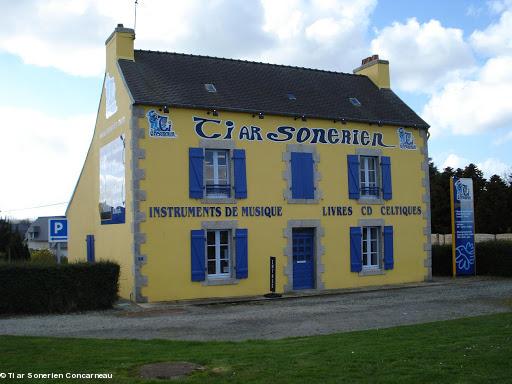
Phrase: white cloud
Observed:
(489, 166)
(323, 34)
(56, 34)
(228, 28)
(498, 6)
(43, 156)
(422, 56)
(492, 166)
(454, 161)
(70, 36)
(479, 102)
(496, 39)
(474, 11)
(503, 139)
(473, 106)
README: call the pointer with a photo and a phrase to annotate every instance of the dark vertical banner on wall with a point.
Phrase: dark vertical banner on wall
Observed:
(112, 182)
(463, 226)
(272, 274)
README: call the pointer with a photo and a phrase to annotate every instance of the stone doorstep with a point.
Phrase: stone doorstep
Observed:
(299, 294)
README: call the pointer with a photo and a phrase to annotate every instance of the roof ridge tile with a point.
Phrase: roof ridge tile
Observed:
(244, 61)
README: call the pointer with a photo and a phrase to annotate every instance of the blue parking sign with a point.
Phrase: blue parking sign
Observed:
(58, 230)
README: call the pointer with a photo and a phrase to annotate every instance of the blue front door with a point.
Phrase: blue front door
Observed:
(303, 258)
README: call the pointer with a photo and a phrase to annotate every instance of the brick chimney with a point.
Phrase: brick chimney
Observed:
(377, 70)
(119, 45)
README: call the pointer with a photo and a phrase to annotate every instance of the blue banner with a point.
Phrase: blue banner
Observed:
(463, 226)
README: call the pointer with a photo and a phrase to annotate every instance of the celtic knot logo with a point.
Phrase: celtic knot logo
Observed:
(462, 191)
(160, 125)
(406, 139)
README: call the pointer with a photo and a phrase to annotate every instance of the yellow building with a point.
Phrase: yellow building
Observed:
(202, 169)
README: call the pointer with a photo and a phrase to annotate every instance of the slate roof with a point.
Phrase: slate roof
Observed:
(173, 79)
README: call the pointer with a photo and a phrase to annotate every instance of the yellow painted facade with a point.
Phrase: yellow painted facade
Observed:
(166, 184)
(162, 180)
(112, 242)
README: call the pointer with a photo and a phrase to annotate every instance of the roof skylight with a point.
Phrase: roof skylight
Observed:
(354, 101)
(291, 96)
(210, 87)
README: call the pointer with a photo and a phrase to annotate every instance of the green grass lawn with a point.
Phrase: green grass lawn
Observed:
(473, 350)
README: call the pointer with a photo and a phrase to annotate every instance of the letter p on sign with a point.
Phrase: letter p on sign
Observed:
(58, 230)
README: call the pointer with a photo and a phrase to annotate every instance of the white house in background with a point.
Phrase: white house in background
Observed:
(36, 236)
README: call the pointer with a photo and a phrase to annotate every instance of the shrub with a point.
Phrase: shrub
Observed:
(42, 256)
(39, 288)
(492, 258)
(442, 260)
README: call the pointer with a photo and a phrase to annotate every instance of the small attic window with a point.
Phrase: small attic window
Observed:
(354, 101)
(291, 96)
(210, 87)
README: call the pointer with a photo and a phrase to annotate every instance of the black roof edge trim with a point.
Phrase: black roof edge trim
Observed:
(254, 111)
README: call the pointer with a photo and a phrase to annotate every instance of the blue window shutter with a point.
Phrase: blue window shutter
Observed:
(353, 176)
(356, 260)
(385, 165)
(197, 254)
(195, 172)
(303, 183)
(388, 247)
(308, 178)
(240, 174)
(91, 257)
(242, 266)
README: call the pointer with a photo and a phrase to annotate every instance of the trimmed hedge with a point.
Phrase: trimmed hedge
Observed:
(496, 260)
(492, 258)
(442, 260)
(32, 288)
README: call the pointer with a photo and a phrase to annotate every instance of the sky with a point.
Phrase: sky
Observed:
(451, 61)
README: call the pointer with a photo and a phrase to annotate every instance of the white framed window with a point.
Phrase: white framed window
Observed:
(217, 173)
(218, 253)
(371, 248)
(369, 176)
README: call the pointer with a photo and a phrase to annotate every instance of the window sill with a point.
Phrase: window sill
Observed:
(303, 201)
(371, 272)
(370, 201)
(220, 281)
(221, 200)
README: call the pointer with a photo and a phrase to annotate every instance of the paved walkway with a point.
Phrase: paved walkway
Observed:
(278, 318)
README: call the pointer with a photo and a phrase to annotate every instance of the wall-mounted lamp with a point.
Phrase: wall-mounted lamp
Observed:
(303, 118)
(214, 112)
(166, 109)
(261, 115)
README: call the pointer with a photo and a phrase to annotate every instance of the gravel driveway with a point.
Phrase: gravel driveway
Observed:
(278, 318)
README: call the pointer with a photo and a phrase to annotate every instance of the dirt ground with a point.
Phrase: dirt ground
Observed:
(278, 318)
